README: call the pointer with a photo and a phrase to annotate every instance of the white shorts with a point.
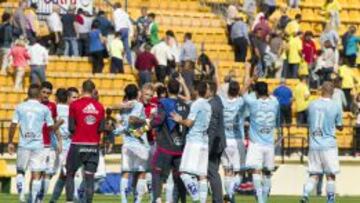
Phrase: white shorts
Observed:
(60, 162)
(135, 158)
(195, 159)
(323, 161)
(101, 170)
(32, 159)
(260, 157)
(233, 157)
(50, 158)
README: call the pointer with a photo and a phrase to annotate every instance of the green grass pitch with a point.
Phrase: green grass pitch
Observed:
(6, 198)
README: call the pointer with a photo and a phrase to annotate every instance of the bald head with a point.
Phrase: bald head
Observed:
(327, 89)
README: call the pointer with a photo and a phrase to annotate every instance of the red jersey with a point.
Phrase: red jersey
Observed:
(88, 116)
(46, 130)
(149, 109)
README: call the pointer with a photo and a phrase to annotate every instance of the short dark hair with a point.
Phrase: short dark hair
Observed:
(108, 111)
(261, 88)
(152, 15)
(234, 88)
(72, 89)
(95, 25)
(117, 5)
(47, 85)
(5, 16)
(88, 86)
(61, 95)
(33, 91)
(131, 92)
(213, 86)
(173, 86)
(101, 12)
(34, 5)
(170, 33)
(201, 88)
(161, 90)
(188, 35)
(298, 16)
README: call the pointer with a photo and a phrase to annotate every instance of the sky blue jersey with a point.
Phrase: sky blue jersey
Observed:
(324, 116)
(31, 117)
(233, 117)
(264, 118)
(200, 113)
(63, 114)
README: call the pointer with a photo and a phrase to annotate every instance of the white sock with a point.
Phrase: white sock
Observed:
(309, 186)
(20, 185)
(77, 188)
(330, 190)
(227, 185)
(192, 186)
(140, 189)
(123, 189)
(169, 189)
(266, 187)
(257, 180)
(35, 190)
(235, 183)
(203, 190)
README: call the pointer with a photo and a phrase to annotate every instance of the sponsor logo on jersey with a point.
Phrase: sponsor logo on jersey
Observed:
(90, 120)
(90, 109)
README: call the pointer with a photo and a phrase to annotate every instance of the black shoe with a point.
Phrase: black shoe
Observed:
(304, 200)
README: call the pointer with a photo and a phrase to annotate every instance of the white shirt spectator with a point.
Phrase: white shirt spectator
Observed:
(121, 20)
(54, 22)
(38, 54)
(232, 12)
(86, 26)
(175, 49)
(162, 52)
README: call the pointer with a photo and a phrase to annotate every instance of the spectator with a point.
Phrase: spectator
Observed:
(249, 8)
(277, 49)
(294, 55)
(32, 25)
(279, 19)
(284, 96)
(207, 67)
(293, 26)
(240, 38)
(69, 33)
(339, 97)
(263, 24)
(344, 38)
(269, 7)
(302, 99)
(142, 25)
(153, 30)
(38, 60)
(294, 3)
(116, 52)
(19, 20)
(327, 62)
(188, 58)
(56, 29)
(329, 34)
(104, 24)
(145, 64)
(163, 54)
(309, 49)
(351, 46)
(357, 124)
(123, 25)
(332, 13)
(96, 48)
(175, 50)
(83, 24)
(231, 14)
(258, 52)
(110, 125)
(6, 38)
(348, 83)
(20, 57)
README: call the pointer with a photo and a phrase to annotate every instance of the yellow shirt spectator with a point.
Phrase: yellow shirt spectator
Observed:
(292, 27)
(116, 48)
(347, 75)
(295, 47)
(301, 95)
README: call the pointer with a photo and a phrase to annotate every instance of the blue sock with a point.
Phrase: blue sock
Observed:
(257, 180)
(330, 190)
(309, 186)
(35, 190)
(59, 186)
(266, 187)
(192, 186)
(124, 189)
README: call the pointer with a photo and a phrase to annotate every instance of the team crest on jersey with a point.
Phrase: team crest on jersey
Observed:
(90, 120)
(90, 109)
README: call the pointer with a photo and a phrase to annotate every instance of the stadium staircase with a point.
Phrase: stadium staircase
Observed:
(181, 16)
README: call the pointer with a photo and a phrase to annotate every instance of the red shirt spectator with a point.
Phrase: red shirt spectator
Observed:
(145, 61)
(19, 55)
(264, 26)
(87, 115)
(309, 48)
(46, 130)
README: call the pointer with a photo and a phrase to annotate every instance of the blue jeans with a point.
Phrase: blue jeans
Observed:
(124, 33)
(71, 46)
(145, 77)
(37, 74)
